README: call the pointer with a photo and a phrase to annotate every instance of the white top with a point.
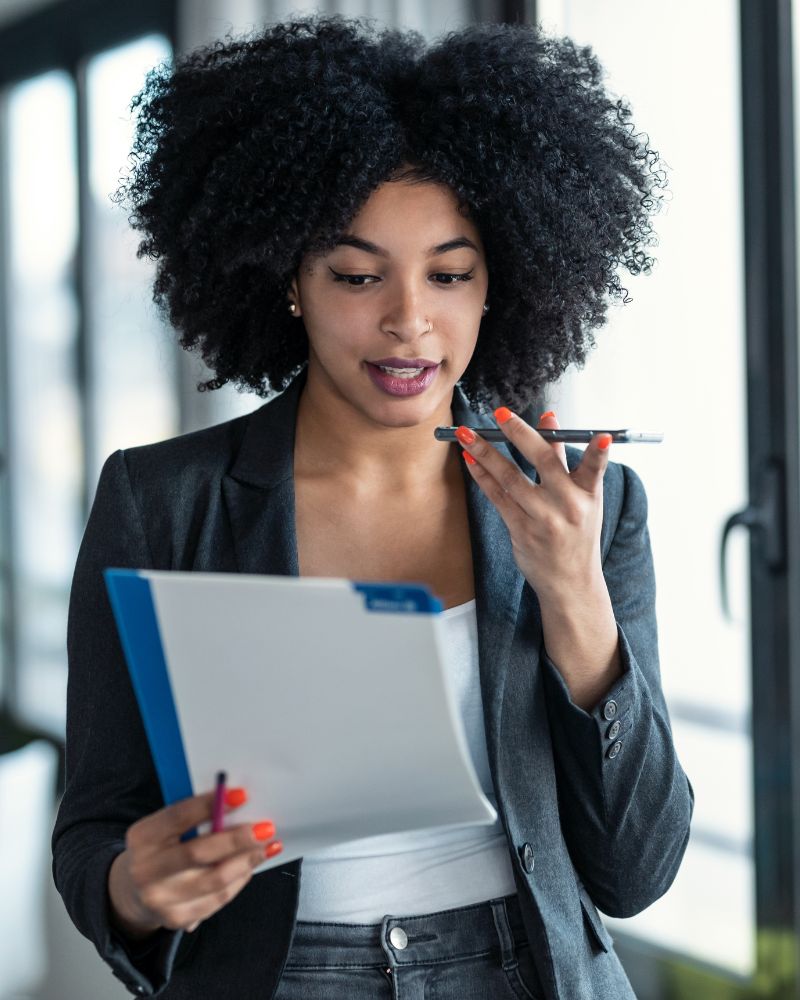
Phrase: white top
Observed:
(420, 871)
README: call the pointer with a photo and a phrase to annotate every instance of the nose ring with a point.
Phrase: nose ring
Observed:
(430, 327)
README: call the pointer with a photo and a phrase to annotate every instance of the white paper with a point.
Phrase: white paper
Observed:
(338, 720)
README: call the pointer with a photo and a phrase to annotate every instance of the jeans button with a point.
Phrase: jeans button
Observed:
(398, 937)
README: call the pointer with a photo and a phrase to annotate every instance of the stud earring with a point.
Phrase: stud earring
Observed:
(486, 307)
(292, 308)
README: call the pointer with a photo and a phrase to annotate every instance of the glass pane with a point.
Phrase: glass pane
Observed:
(673, 360)
(133, 354)
(5, 574)
(46, 454)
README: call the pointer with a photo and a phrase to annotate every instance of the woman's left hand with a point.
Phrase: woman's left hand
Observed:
(554, 525)
(555, 537)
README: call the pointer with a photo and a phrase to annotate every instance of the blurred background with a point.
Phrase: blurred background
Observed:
(706, 350)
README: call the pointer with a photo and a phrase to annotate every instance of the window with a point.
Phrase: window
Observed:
(45, 447)
(673, 359)
(90, 366)
(132, 353)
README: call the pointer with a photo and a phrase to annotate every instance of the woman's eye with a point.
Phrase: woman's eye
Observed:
(360, 280)
(456, 278)
(355, 280)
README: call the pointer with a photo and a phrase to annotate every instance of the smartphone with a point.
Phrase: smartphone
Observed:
(562, 434)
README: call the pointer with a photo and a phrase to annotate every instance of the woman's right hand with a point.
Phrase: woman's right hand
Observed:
(159, 881)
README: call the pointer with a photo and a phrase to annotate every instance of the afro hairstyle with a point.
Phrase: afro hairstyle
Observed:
(253, 151)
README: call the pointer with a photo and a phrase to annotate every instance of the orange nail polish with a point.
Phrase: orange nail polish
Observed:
(502, 413)
(272, 849)
(465, 435)
(468, 458)
(604, 441)
(548, 414)
(235, 797)
(263, 831)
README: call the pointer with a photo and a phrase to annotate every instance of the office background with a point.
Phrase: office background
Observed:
(706, 350)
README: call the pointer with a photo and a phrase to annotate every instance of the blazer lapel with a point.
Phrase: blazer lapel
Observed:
(498, 581)
(259, 495)
(259, 490)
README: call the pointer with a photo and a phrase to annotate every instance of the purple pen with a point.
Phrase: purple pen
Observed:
(219, 803)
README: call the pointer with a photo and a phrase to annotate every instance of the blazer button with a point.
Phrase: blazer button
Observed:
(610, 709)
(613, 729)
(526, 854)
(615, 749)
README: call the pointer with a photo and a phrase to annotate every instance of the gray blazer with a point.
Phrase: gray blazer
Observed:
(593, 815)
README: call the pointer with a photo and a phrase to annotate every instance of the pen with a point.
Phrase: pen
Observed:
(219, 803)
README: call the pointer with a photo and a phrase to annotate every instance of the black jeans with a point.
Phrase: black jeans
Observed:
(475, 952)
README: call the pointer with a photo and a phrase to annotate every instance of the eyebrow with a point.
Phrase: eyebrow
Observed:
(368, 247)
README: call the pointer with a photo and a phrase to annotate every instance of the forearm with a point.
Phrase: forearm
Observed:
(625, 803)
(581, 640)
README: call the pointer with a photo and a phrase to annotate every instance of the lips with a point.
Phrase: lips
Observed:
(396, 385)
(405, 362)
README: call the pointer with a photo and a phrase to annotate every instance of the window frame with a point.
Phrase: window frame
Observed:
(773, 449)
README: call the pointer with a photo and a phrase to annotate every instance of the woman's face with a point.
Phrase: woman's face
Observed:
(400, 292)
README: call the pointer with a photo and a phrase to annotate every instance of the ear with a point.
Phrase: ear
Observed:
(293, 295)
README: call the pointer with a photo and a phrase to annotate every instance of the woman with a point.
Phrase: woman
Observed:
(330, 205)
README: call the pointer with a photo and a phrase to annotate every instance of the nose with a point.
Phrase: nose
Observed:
(407, 316)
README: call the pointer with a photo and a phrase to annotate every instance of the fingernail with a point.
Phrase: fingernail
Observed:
(235, 797)
(465, 435)
(272, 849)
(548, 414)
(263, 831)
(502, 413)
(469, 459)
(604, 441)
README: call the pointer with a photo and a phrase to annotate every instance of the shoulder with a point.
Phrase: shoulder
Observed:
(170, 486)
(185, 461)
(169, 493)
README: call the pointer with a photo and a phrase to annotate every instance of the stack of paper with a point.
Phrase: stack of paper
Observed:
(326, 698)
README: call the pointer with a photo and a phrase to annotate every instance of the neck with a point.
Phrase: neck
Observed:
(335, 441)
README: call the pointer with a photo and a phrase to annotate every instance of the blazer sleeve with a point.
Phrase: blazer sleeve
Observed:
(110, 776)
(624, 800)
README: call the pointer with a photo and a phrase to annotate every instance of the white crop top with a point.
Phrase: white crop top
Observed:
(427, 870)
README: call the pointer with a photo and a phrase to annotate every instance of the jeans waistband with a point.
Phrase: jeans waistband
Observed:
(447, 934)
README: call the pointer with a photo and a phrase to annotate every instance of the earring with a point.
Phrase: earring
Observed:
(292, 308)
(486, 307)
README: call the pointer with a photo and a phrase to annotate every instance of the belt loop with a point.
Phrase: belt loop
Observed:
(508, 954)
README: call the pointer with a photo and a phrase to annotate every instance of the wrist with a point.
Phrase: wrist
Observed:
(578, 604)
(124, 917)
(581, 639)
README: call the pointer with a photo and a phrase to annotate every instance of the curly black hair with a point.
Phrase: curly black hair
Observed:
(255, 150)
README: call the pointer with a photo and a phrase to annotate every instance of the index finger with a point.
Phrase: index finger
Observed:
(169, 824)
